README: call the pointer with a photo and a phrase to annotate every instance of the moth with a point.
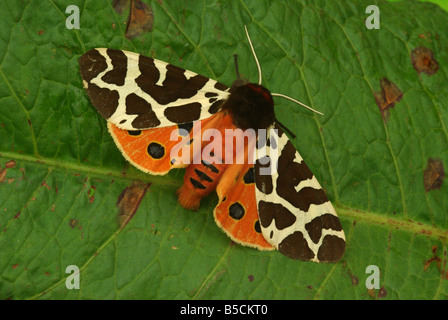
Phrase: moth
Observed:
(268, 197)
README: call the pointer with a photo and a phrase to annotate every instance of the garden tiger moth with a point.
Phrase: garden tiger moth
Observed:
(269, 201)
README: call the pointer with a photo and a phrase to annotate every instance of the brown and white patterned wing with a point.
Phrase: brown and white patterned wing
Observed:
(135, 92)
(295, 215)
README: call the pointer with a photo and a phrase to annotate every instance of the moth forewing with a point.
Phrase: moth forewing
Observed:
(295, 215)
(135, 92)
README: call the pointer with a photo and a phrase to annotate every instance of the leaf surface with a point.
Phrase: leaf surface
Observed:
(58, 196)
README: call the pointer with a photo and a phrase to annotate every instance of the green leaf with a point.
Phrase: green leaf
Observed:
(64, 174)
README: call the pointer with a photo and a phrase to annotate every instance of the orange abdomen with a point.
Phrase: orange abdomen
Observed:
(201, 179)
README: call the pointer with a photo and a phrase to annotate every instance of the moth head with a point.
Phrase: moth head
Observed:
(251, 106)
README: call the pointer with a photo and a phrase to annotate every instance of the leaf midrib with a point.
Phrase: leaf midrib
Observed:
(358, 215)
(85, 168)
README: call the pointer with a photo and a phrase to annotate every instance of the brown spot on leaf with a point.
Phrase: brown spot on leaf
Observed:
(433, 175)
(119, 5)
(44, 183)
(423, 61)
(129, 201)
(424, 35)
(387, 97)
(355, 280)
(382, 293)
(251, 278)
(371, 292)
(140, 19)
(73, 223)
(10, 164)
(91, 194)
(434, 258)
(82, 231)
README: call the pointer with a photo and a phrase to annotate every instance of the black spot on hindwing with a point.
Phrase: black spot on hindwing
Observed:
(257, 226)
(186, 128)
(236, 211)
(249, 176)
(156, 150)
(134, 132)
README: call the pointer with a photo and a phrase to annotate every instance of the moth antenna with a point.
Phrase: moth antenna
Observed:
(235, 58)
(255, 56)
(260, 78)
(298, 102)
